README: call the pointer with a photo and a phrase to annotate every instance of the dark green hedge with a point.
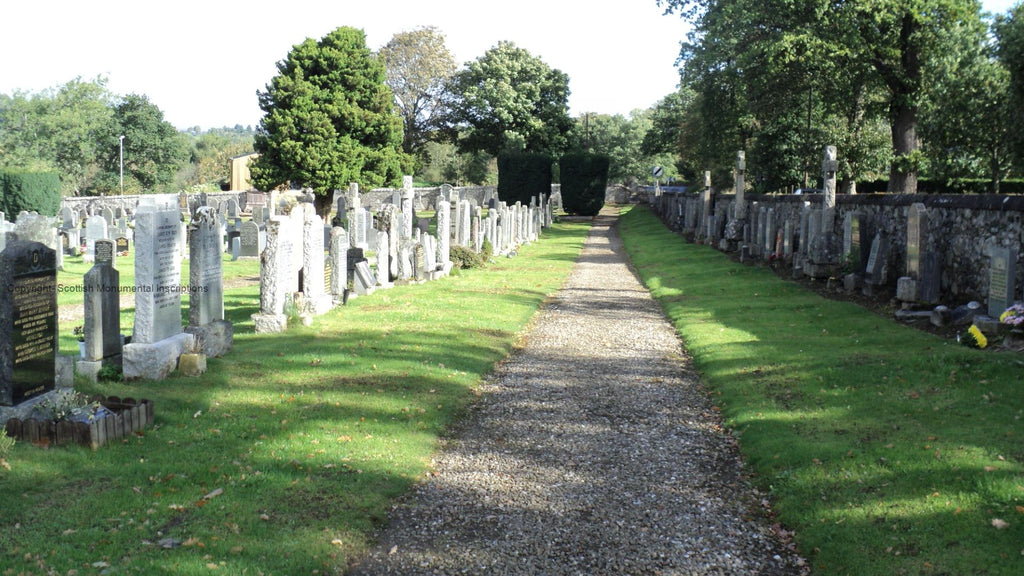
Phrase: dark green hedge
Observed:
(584, 180)
(522, 175)
(29, 191)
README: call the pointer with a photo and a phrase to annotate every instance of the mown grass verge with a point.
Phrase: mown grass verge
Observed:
(887, 450)
(286, 455)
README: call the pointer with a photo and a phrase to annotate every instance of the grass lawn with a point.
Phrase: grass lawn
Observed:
(287, 454)
(885, 449)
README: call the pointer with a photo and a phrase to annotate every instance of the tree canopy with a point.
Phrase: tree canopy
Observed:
(511, 100)
(419, 69)
(329, 120)
(74, 130)
(783, 80)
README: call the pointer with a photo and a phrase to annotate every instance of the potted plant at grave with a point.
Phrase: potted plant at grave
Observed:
(80, 333)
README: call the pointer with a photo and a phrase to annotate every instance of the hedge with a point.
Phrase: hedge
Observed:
(29, 191)
(584, 180)
(522, 175)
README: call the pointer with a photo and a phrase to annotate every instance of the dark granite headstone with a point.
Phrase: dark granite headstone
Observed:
(931, 277)
(28, 321)
(355, 256)
(105, 252)
(122, 244)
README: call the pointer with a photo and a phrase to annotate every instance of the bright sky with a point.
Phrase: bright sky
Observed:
(202, 61)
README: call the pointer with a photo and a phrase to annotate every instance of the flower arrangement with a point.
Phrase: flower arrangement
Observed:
(79, 331)
(1013, 316)
(973, 338)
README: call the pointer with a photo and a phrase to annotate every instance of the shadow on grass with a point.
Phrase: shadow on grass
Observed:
(886, 449)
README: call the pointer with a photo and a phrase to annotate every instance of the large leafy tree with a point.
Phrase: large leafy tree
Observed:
(621, 140)
(419, 69)
(511, 100)
(824, 57)
(59, 129)
(329, 120)
(964, 127)
(1010, 31)
(154, 151)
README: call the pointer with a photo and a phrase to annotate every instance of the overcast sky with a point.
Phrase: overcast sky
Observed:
(202, 61)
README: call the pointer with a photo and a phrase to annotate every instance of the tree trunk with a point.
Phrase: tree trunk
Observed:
(323, 204)
(903, 174)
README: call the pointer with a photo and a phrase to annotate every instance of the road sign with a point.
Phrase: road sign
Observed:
(657, 171)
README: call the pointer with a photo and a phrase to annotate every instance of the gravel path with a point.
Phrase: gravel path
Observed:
(593, 451)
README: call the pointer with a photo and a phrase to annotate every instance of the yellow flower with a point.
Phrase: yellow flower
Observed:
(978, 336)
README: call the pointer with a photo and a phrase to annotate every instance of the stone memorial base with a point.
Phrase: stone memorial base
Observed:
(214, 339)
(269, 323)
(317, 305)
(24, 409)
(91, 368)
(361, 288)
(157, 360)
(820, 270)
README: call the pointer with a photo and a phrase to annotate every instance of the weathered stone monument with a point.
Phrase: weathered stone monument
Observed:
(214, 336)
(1002, 278)
(277, 283)
(252, 240)
(28, 321)
(338, 253)
(908, 286)
(444, 236)
(102, 307)
(316, 301)
(877, 267)
(157, 336)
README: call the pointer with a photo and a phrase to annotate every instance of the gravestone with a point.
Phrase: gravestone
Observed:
(740, 185)
(213, 334)
(338, 253)
(68, 219)
(102, 307)
(384, 259)
(875, 272)
(1002, 275)
(121, 245)
(157, 337)
(931, 277)
(95, 229)
(444, 237)
(252, 240)
(315, 299)
(28, 321)
(388, 217)
(408, 210)
(908, 287)
(276, 278)
(363, 281)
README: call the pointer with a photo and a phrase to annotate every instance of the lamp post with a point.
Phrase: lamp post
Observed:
(121, 158)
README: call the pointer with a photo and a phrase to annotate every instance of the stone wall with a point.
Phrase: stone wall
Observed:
(961, 229)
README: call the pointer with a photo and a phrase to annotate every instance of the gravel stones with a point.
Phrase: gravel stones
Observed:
(593, 450)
